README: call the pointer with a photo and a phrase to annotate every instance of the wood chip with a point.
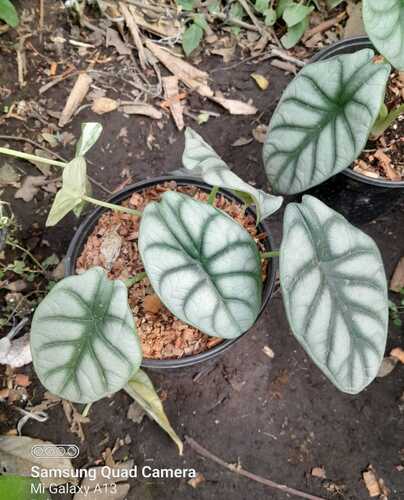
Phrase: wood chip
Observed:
(142, 109)
(385, 163)
(104, 105)
(134, 31)
(190, 75)
(152, 304)
(397, 280)
(76, 97)
(171, 91)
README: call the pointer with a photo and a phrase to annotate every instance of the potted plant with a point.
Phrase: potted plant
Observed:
(341, 98)
(206, 269)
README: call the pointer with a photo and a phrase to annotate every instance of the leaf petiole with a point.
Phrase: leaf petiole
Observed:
(26, 156)
(112, 206)
(269, 255)
(212, 195)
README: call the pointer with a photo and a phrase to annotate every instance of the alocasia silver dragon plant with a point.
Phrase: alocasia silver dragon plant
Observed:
(205, 267)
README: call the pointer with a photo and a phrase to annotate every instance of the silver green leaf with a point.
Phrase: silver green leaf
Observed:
(384, 23)
(90, 133)
(204, 266)
(141, 389)
(335, 293)
(200, 158)
(70, 195)
(83, 338)
(323, 120)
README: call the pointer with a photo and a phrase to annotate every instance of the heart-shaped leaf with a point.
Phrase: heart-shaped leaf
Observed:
(335, 293)
(141, 389)
(384, 23)
(203, 265)
(70, 196)
(204, 162)
(83, 338)
(295, 13)
(323, 120)
(90, 133)
(8, 13)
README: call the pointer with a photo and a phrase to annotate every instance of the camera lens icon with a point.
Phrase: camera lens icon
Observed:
(55, 451)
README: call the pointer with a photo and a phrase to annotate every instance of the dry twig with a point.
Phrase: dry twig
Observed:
(238, 470)
(134, 31)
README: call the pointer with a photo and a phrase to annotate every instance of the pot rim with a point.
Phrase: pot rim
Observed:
(88, 224)
(358, 42)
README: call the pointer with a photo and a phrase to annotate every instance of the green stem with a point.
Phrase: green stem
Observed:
(111, 206)
(135, 279)
(212, 195)
(268, 255)
(26, 156)
(12, 244)
(86, 409)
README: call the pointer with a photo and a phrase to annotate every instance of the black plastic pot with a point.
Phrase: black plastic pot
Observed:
(359, 198)
(87, 226)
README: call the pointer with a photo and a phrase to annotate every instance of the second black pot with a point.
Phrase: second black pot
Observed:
(87, 226)
(358, 198)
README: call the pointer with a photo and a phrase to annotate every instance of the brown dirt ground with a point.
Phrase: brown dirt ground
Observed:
(279, 417)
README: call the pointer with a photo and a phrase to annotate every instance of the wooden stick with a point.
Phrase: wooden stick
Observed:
(134, 31)
(324, 26)
(251, 15)
(238, 470)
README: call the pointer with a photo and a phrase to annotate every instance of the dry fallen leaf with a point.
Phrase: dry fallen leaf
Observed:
(397, 280)
(113, 39)
(260, 133)
(268, 351)
(103, 105)
(171, 91)
(319, 472)
(398, 353)
(134, 31)
(371, 482)
(135, 413)
(152, 304)
(242, 141)
(30, 187)
(75, 419)
(9, 176)
(387, 366)
(142, 109)
(190, 75)
(196, 481)
(16, 458)
(15, 353)
(261, 81)
(76, 97)
(234, 106)
(375, 485)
